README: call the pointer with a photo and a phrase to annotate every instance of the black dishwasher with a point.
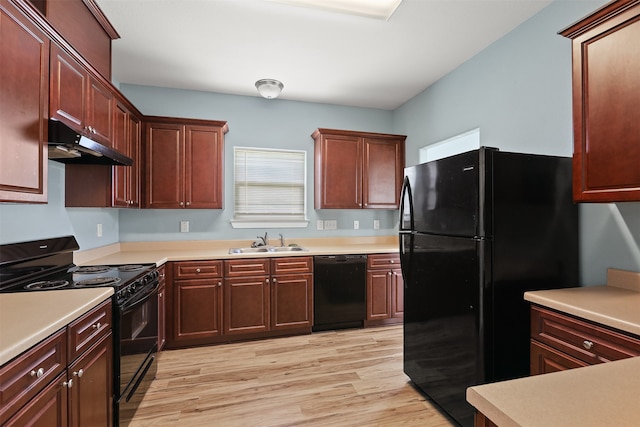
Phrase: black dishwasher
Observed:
(339, 289)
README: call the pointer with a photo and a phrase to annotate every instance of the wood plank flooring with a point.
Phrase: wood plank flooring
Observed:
(336, 378)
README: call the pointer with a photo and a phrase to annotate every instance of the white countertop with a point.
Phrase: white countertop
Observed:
(26, 318)
(606, 394)
(162, 252)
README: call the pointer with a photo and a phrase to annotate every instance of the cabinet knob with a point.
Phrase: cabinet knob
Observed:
(96, 325)
(219, 284)
(392, 261)
(188, 203)
(79, 373)
(38, 373)
(68, 384)
(160, 295)
(274, 281)
(181, 203)
(197, 270)
(389, 273)
(587, 344)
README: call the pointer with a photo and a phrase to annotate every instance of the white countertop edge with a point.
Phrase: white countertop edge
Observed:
(17, 337)
(592, 396)
(589, 303)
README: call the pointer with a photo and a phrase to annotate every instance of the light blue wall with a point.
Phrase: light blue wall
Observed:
(518, 92)
(19, 222)
(254, 122)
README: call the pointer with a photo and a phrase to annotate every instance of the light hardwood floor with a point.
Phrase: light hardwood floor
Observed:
(344, 378)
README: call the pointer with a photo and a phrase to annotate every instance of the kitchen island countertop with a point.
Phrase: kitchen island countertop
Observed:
(605, 394)
(26, 318)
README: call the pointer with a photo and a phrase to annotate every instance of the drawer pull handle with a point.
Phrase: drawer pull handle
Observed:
(96, 325)
(79, 373)
(197, 270)
(587, 344)
(392, 261)
(38, 373)
(68, 384)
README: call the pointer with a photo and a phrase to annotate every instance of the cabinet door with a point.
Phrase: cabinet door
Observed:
(99, 114)
(545, 360)
(120, 196)
(606, 117)
(47, 409)
(291, 301)
(203, 167)
(246, 305)
(91, 394)
(397, 294)
(134, 171)
(68, 90)
(165, 167)
(198, 309)
(23, 108)
(383, 171)
(378, 294)
(338, 172)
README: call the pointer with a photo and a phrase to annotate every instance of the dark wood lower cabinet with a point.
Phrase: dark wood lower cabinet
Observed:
(213, 301)
(66, 380)
(385, 290)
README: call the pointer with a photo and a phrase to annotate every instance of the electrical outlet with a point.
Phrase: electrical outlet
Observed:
(330, 224)
(356, 224)
(376, 224)
(99, 230)
(184, 226)
(320, 225)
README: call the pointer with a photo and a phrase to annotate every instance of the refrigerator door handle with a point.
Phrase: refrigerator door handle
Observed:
(406, 190)
(406, 258)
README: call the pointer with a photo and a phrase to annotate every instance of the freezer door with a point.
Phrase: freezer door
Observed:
(443, 337)
(449, 196)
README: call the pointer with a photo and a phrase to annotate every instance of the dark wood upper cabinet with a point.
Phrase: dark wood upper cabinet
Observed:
(83, 25)
(357, 170)
(184, 163)
(24, 74)
(80, 100)
(606, 94)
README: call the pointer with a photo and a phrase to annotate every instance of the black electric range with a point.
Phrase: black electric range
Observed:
(45, 265)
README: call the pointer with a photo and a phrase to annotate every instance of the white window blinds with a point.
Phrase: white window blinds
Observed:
(269, 185)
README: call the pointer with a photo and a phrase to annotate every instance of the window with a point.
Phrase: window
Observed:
(466, 141)
(269, 188)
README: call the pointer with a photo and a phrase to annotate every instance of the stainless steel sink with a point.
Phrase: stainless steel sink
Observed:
(263, 249)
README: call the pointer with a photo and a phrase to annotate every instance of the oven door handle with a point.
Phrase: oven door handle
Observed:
(141, 297)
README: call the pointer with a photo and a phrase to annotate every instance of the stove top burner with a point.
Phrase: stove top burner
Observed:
(97, 281)
(46, 284)
(92, 269)
(131, 267)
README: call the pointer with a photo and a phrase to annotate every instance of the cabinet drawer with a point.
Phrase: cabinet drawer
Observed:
(291, 265)
(24, 377)
(246, 267)
(383, 261)
(89, 329)
(580, 339)
(197, 269)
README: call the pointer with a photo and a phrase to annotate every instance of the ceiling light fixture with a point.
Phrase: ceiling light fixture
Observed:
(269, 88)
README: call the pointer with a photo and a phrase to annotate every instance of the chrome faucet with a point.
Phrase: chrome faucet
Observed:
(282, 240)
(265, 239)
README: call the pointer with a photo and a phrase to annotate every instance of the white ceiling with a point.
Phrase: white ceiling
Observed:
(224, 46)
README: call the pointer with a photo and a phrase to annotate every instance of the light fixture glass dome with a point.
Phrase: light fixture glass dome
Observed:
(269, 88)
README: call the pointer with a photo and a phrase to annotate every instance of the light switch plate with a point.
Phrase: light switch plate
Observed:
(356, 224)
(99, 230)
(184, 226)
(320, 225)
(376, 224)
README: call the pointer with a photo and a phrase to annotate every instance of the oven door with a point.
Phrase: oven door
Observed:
(136, 347)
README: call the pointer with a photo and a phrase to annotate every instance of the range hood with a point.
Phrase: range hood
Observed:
(68, 146)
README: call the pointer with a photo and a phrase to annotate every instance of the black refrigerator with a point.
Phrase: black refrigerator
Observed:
(477, 230)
